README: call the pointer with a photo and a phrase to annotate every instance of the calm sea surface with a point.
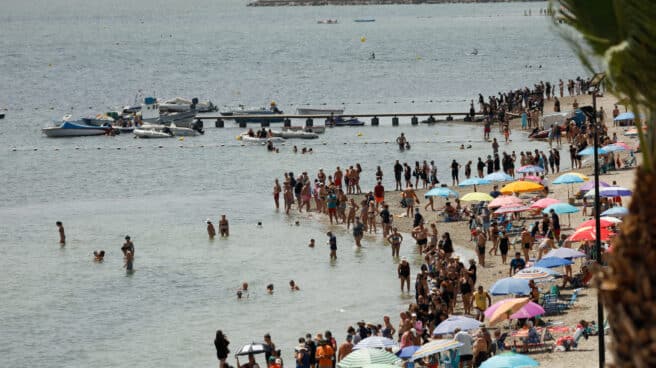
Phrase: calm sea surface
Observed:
(59, 309)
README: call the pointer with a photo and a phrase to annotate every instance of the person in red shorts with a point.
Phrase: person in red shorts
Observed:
(379, 193)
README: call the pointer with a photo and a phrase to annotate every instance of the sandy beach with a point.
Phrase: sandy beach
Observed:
(586, 305)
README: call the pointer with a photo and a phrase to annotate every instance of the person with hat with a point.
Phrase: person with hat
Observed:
(128, 246)
(403, 272)
(211, 232)
(346, 348)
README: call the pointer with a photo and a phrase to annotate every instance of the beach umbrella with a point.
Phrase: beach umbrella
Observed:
(534, 273)
(521, 186)
(505, 200)
(582, 176)
(535, 270)
(560, 209)
(589, 151)
(551, 262)
(615, 147)
(632, 132)
(616, 211)
(625, 116)
(450, 324)
(381, 365)
(476, 197)
(533, 178)
(512, 209)
(406, 352)
(253, 348)
(378, 342)
(441, 192)
(610, 192)
(603, 221)
(564, 253)
(436, 346)
(473, 181)
(512, 309)
(614, 220)
(591, 184)
(545, 202)
(589, 233)
(363, 357)
(510, 285)
(568, 179)
(498, 176)
(510, 360)
(530, 169)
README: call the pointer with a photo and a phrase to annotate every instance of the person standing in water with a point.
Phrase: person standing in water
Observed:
(128, 246)
(224, 228)
(404, 273)
(221, 344)
(395, 239)
(62, 235)
(332, 242)
(358, 232)
(211, 232)
(276, 194)
(129, 261)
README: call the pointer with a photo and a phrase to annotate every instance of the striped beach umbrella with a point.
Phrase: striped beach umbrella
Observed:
(512, 209)
(545, 202)
(530, 169)
(363, 357)
(436, 346)
(498, 176)
(375, 342)
(505, 200)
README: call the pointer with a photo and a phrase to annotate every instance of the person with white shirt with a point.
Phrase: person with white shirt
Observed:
(466, 352)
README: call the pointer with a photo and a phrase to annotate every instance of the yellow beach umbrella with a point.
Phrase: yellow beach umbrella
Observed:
(506, 308)
(584, 177)
(476, 197)
(521, 186)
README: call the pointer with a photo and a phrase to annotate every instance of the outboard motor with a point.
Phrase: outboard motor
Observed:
(197, 125)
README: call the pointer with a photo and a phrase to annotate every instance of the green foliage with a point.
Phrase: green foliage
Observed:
(619, 34)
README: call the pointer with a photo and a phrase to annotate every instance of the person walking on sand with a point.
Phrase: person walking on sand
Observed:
(410, 197)
(353, 209)
(482, 301)
(358, 232)
(224, 228)
(481, 239)
(276, 193)
(395, 239)
(211, 232)
(379, 193)
(332, 242)
(403, 271)
(62, 235)
(221, 344)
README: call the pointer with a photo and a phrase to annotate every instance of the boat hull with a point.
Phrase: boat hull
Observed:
(248, 139)
(295, 134)
(150, 133)
(311, 111)
(69, 129)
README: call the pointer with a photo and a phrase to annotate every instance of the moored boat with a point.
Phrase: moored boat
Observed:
(74, 129)
(313, 111)
(312, 129)
(291, 134)
(327, 21)
(248, 139)
(340, 121)
(152, 133)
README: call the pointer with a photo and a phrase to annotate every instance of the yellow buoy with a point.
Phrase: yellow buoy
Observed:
(363, 39)
(238, 137)
(359, 134)
(181, 139)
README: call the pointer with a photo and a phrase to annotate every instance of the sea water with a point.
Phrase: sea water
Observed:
(60, 309)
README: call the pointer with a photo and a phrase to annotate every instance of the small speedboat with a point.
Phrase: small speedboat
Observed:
(244, 137)
(152, 133)
(99, 120)
(291, 134)
(364, 20)
(340, 121)
(327, 21)
(175, 130)
(313, 111)
(74, 129)
(312, 129)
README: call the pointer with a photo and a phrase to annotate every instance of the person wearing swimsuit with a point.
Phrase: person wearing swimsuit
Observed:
(395, 239)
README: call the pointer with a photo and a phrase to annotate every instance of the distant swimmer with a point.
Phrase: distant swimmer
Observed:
(474, 52)
(128, 246)
(243, 291)
(224, 228)
(211, 232)
(129, 261)
(373, 56)
(332, 241)
(98, 256)
(269, 289)
(311, 244)
(62, 235)
(401, 141)
(293, 286)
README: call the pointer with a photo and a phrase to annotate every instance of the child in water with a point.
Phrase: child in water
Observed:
(98, 256)
(311, 245)
(293, 286)
(269, 289)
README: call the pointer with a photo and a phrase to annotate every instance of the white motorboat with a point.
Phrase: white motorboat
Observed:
(294, 134)
(244, 137)
(313, 111)
(74, 129)
(313, 129)
(152, 133)
(150, 113)
(99, 120)
(175, 130)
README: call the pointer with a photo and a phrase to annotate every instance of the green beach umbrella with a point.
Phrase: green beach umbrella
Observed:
(366, 357)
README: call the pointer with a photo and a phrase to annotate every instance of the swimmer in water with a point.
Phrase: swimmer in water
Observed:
(243, 291)
(98, 256)
(224, 228)
(293, 286)
(62, 235)
(462, 146)
(311, 245)
(211, 232)
(269, 288)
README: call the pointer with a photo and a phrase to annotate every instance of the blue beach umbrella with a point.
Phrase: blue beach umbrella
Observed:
(616, 212)
(561, 208)
(625, 116)
(441, 192)
(450, 324)
(568, 179)
(473, 181)
(610, 192)
(614, 148)
(551, 262)
(406, 352)
(590, 151)
(498, 176)
(564, 253)
(510, 360)
(510, 285)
